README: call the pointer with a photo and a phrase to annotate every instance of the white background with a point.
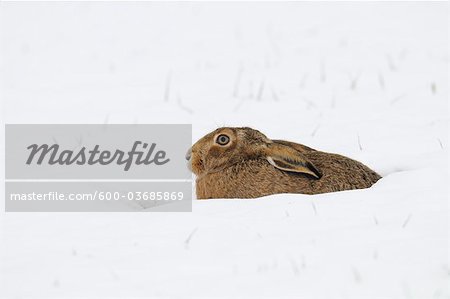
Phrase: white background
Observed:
(367, 80)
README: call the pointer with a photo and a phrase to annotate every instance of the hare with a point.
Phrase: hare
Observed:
(244, 163)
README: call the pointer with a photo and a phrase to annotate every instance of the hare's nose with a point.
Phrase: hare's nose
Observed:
(189, 154)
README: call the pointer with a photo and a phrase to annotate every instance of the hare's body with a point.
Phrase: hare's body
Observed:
(277, 169)
(255, 178)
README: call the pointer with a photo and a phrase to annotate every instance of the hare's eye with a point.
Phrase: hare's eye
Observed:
(223, 139)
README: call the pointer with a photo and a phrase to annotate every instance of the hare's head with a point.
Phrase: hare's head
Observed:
(227, 146)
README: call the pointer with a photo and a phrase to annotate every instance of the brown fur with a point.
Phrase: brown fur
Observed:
(241, 168)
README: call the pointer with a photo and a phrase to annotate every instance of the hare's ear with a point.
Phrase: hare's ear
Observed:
(288, 159)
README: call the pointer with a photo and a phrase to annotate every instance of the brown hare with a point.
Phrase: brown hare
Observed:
(244, 163)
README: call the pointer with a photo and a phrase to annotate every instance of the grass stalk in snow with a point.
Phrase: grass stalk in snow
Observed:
(405, 223)
(397, 98)
(381, 81)
(182, 106)
(440, 143)
(313, 133)
(314, 207)
(188, 239)
(359, 143)
(303, 80)
(168, 86)
(261, 90)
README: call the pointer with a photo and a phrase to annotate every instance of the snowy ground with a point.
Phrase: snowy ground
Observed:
(367, 80)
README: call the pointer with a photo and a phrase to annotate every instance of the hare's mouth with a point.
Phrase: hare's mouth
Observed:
(195, 165)
(189, 154)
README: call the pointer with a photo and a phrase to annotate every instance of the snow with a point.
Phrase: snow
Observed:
(367, 80)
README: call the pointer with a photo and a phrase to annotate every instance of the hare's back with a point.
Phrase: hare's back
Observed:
(342, 173)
